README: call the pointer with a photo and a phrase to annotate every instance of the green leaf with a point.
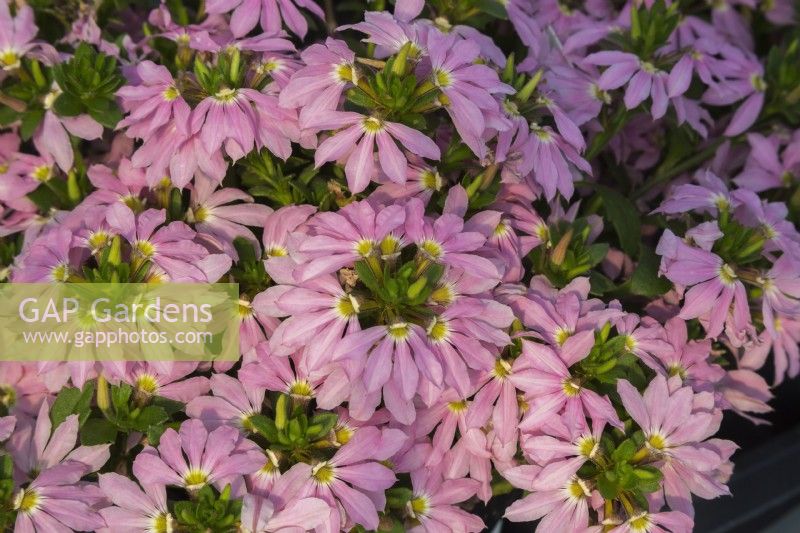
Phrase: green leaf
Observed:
(30, 121)
(72, 401)
(108, 118)
(67, 105)
(321, 424)
(648, 474)
(493, 8)
(367, 277)
(265, 426)
(624, 452)
(597, 252)
(607, 487)
(7, 115)
(151, 415)
(600, 284)
(645, 280)
(170, 406)
(98, 431)
(624, 217)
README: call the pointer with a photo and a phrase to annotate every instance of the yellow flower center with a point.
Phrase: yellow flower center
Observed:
(277, 251)
(323, 473)
(301, 389)
(245, 309)
(758, 83)
(438, 330)
(344, 72)
(347, 306)
(501, 230)
(432, 249)
(60, 272)
(443, 295)
(9, 59)
(226, 95)
(390, 247)
(364, 247)
(656, 441)
(418, 506)
(42, 173)
(134, 202)
(630, 343)
(372, 125)
(145, 248)
(162, 523)
(571, 388)
(26, 501)
(431, 180)
(195, 479)
(502, 369)
(561, 335)
(727, 274)
(147, 383)
(640, 522)
(577, 489)
(398, 331)
(170, 93)
(587, 446)
(199, 214)
(98, 239)
(442, 78)
(8, 396)
(343, 434)
(676, 369)
(457, 407)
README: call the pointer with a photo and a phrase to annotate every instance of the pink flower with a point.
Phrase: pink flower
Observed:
(666, 522)
(7, 424)
(561, 502)
(169, 250)
(715, 288)
(351, 480)
(767, 167)
(16, 38)
(391, 359)
(318, 86)
(49, 258)
(37, 447)
(134, 509)
(58, 501)
(689, 360)
(153, 102)
(126, 184)
(222, 223)
(357, 143)
(448, 241)
(259, 515)
(469, 88)
(555, 390)
(341, 238)
(270, 13)
(435, 503)
(21, 388)
(169, 379)
(232, 404)
(676, 423)
(171, 151)
(52, 136)
(644, 80)
(194, 458)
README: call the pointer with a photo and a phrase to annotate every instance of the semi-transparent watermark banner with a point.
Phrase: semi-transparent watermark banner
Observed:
(119, 322)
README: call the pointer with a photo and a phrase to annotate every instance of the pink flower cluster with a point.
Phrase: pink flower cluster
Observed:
(463, 272)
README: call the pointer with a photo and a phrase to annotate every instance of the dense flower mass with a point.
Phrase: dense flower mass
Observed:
(518, 247)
